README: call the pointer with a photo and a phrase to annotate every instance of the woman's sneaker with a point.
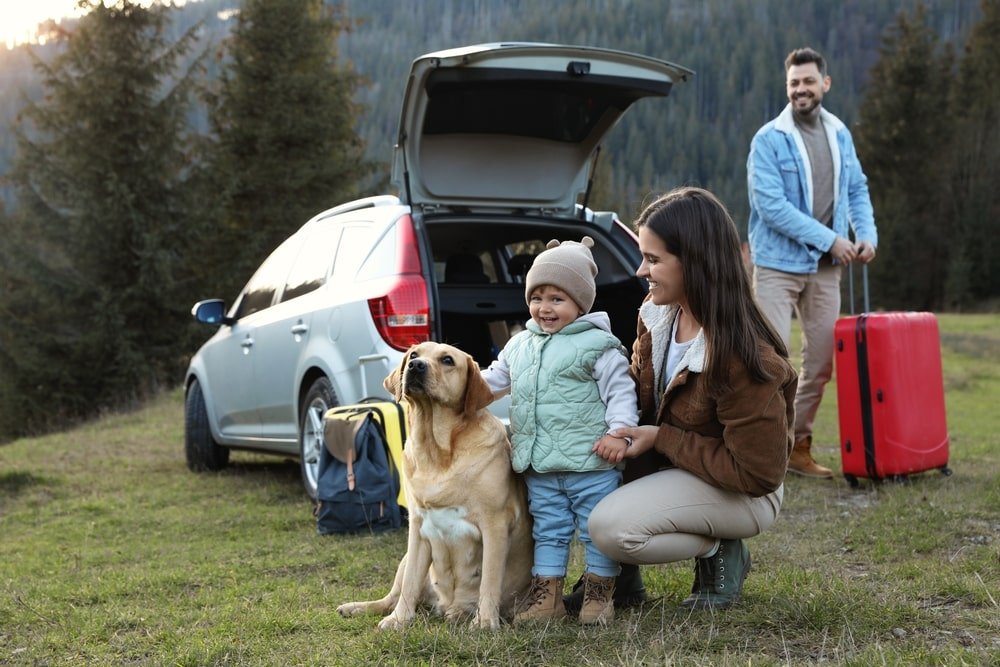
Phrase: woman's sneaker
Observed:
(718, 579)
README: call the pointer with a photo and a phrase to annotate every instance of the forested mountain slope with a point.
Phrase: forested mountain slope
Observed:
(699, 135)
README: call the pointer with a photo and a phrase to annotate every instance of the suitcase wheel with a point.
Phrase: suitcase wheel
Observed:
(946, 471)
(852, 481)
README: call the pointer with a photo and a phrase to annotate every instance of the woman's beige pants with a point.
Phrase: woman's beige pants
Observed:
(672, 515)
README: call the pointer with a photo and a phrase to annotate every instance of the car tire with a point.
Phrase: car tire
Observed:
(200, 449)
(319, 399)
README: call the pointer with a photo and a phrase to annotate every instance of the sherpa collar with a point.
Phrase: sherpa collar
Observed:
(659, 321)
(786, 122)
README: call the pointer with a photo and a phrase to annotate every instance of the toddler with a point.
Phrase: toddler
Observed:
(570, 385)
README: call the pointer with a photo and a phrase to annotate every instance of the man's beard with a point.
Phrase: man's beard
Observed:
(807, 111)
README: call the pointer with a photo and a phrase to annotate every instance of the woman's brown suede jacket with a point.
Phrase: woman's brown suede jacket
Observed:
(739, 441)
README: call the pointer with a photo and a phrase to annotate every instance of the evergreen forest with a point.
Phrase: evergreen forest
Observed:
(154, 155)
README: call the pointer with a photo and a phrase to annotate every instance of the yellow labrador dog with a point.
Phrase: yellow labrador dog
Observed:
(469, 551)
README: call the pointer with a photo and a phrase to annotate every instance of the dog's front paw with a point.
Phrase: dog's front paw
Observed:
(392, 622)
(457, 614)
(486, 621)
(351, 609)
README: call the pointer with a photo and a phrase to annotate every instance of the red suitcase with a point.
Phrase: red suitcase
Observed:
(890, 395)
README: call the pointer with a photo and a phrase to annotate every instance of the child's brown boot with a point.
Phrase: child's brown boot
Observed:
(544, 601)
(598, 605)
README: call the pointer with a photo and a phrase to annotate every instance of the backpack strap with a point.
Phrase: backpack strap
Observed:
(350, 469)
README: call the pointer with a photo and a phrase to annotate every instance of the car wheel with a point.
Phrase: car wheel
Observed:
(200, 449)
(319, 399)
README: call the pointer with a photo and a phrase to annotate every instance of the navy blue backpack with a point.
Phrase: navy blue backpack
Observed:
(356, 494)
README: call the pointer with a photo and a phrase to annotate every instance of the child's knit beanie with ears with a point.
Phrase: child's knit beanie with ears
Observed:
(570, 267)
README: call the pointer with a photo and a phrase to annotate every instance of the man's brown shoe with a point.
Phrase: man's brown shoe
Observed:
(801, 461)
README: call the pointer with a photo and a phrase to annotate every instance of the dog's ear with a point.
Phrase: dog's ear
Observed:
(393, 383)
(477, 392)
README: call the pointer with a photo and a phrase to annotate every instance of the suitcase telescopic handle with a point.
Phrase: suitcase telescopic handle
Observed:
(864, 283)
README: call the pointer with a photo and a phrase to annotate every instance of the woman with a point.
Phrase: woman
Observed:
(706, 464)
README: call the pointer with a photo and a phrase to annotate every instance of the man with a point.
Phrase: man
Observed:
(806, 190)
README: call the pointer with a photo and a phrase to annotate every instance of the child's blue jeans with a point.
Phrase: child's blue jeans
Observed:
(560, 504)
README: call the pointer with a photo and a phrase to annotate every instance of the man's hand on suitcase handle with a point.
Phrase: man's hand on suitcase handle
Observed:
(843, 250)
(865, 251)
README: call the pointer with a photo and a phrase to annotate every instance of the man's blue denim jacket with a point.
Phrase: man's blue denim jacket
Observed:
(783, 234)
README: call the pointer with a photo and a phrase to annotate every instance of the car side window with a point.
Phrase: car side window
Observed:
(311, 267)
(355, 246)
(269, 278)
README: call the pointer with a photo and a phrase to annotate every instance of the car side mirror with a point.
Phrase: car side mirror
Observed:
(211, 311)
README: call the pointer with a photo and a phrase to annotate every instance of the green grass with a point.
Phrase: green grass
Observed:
(112, 553)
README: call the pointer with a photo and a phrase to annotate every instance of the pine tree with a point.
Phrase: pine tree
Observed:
(902, 139)
(285, 121)
(94, 259)
(973, 219)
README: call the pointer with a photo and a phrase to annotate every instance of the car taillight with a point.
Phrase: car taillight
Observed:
(402, 316)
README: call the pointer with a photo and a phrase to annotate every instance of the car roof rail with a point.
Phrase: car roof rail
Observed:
(367, 202)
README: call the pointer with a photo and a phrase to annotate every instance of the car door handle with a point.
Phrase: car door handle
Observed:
(300, 329)
(247, 342)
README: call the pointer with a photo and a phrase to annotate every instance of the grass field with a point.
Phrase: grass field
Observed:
(112, 553)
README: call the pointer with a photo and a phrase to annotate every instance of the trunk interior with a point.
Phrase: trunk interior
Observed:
(480, 265)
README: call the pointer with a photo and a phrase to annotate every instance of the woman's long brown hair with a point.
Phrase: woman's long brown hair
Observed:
(696, 227)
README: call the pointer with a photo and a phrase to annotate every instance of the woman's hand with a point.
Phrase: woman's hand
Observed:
(627, 442)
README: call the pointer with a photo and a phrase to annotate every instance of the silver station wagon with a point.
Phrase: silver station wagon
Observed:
(492, 160)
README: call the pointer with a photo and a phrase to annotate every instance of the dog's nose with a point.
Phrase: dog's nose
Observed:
(416, 366)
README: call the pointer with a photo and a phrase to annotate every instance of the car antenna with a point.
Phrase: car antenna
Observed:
(590, 183)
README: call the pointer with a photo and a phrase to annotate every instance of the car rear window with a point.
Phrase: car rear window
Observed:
(548, 105)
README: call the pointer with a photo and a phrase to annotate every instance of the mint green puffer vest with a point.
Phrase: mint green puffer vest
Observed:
(556, 412)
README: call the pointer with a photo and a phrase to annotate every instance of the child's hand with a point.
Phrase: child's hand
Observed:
(611, 448)
(639, 439)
